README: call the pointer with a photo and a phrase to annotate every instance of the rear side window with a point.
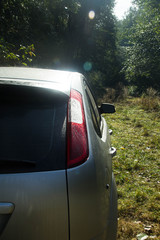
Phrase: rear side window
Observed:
(33, 130)
(94, 111)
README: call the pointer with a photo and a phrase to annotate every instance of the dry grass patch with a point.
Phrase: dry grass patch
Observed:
(150, 101)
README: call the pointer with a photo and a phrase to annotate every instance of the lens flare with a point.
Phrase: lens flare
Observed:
(87, 66)
(91, 15)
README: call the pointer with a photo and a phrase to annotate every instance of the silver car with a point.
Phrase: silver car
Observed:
(56, 179)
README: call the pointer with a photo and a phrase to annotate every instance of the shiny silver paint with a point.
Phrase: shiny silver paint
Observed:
(90, 185)
(78, 203)
(41, 78)
(41, 208)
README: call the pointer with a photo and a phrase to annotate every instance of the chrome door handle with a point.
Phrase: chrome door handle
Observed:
(112, 151)
(6, 208)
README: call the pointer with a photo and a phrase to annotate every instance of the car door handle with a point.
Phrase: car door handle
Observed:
(112, 151)
(6, 208)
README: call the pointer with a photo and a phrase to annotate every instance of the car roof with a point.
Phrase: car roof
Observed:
(37, 77)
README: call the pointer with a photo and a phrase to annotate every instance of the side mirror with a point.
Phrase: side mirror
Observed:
(106, 108)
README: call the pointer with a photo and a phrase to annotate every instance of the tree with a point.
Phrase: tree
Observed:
(142, 64)
(11, 56)
(64, 35)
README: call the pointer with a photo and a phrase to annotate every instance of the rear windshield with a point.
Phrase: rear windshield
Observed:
(32, 129)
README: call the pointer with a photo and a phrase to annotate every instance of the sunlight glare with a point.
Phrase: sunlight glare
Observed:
(91, 15)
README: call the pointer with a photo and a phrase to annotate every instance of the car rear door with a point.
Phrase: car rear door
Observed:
(103, 159)
(33, 192)
(88, 183)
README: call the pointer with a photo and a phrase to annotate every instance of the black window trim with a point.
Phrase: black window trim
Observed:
(99, 122)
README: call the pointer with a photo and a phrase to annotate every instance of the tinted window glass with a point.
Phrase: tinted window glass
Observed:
(32, 127)
(94, 111)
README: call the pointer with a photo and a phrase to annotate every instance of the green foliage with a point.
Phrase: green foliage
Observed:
(63, 34)
(125, 28)
(140, 36)
(95, 79)
(10, 56)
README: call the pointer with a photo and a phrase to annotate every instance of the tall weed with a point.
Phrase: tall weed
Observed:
(120, 92)
(150, 101)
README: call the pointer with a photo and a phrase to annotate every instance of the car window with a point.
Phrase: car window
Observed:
(96, 118)
(32, 127)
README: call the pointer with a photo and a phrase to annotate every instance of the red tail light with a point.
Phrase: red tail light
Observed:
(77, 142)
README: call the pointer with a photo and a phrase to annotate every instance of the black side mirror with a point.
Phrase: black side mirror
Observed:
(106, 108)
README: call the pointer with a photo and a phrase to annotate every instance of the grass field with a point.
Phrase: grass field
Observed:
(136, 135)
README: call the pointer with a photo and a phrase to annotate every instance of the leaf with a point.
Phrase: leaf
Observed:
(25, 64)
(30, 53)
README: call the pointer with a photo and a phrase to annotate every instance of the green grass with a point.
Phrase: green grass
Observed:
(136, 135)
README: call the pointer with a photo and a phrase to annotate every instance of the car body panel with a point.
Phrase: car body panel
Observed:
(42, 78)
(41, 207)
(87, 184)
